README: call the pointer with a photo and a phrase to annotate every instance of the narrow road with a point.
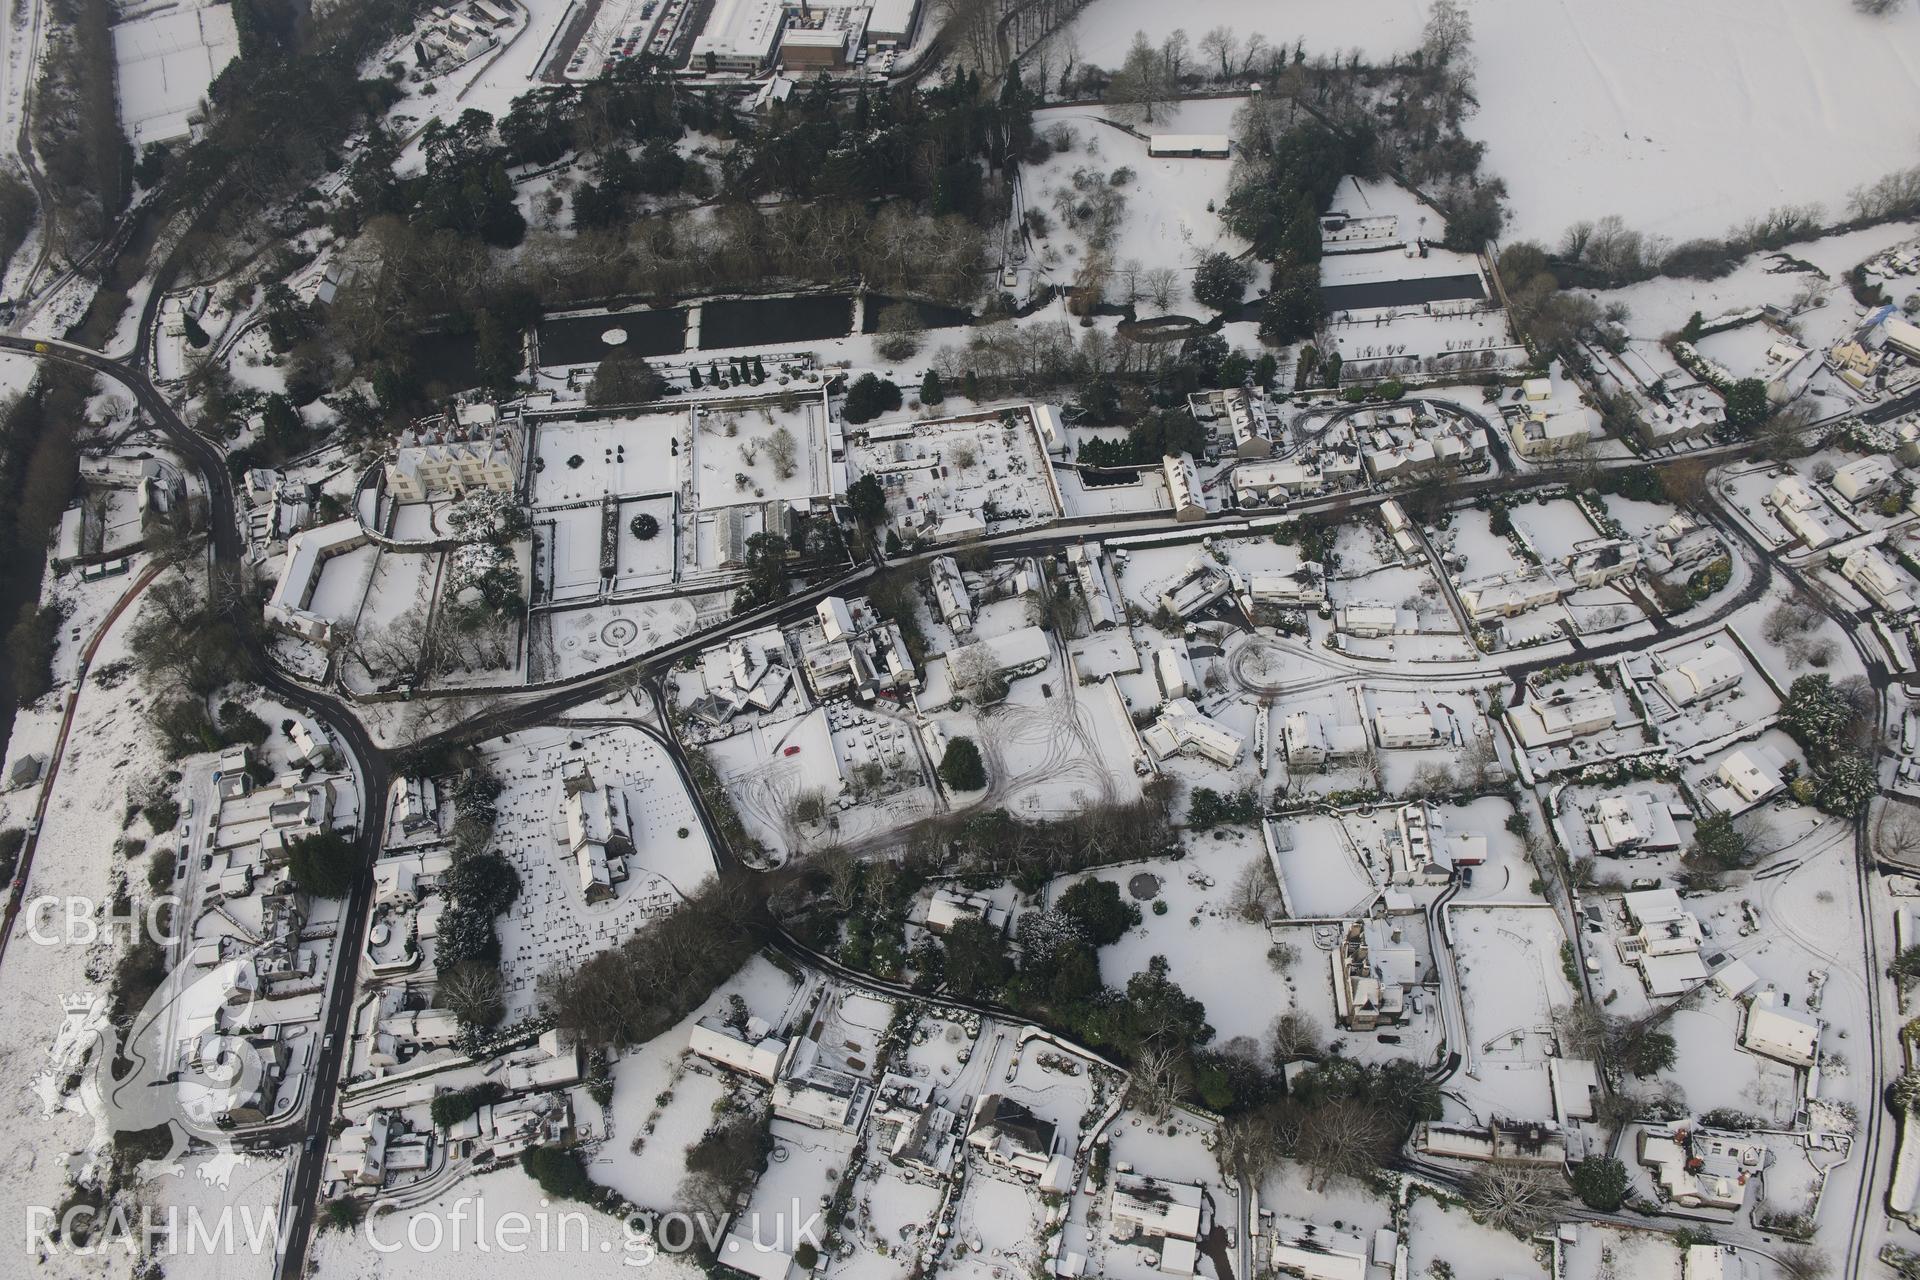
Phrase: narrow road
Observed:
(18, 888)
(371, 764)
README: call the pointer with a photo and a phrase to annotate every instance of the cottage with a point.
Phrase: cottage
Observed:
(1865, 478)
(1183, 487)
(1773, 1030)
(1714, 669)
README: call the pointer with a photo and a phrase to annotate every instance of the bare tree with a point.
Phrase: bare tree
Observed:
(842, 871)
(1173, 59)
(1140, 85)
(1248, 1146)
(1896, 834)
(1255, 896)
(784, 451)
(473, 992)
(1448, 37)
(1790, 618)
(1518, 1198)
(1159, 1076)
(1344, 1138)
(1222, 46)
(1804, 1262)
(1293, 1036)
(1162, 285)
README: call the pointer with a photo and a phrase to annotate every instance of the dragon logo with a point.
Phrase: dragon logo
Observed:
(185, 1063)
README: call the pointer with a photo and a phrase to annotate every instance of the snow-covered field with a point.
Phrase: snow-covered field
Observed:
(166, 60)
(1682, 119)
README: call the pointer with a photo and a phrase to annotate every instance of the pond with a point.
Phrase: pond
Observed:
(762, 322)
(931, 315)
(583, 339)
(1401, 293)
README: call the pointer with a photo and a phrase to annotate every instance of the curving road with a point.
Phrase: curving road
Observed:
(372, 765)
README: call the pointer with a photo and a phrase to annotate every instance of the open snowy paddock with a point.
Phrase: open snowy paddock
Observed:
(1105, 197)
(1595, 110)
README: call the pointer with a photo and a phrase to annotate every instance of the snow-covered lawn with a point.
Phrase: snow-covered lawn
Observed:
(1593, 110)
(1470, 542)
(1553, 527)
(1511, 981)
(1439, 1232)
(551, 926)
(627, 455)
(1218, 957)
(1170, 216)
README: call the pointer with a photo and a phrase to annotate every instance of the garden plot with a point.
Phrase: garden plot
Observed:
(455, 1241)
(551, 925)
(804, 1168)
(1161, 213)
(1552, 528)
(1770, 279)
(1604, 611)
(1146, 493)
(1742, 351)
(1443, 1233)
(1748, 705)
(1188, 914)
(890, 1221)
(1290, 1188)
(1105, 653)
(1260, 555)
(1637, 519)
(1473, 550)
(568, 551)
(1748, 490)
(401, 581)
(945, 478)
(165, 61)
(663, 1098)
(1174, 1152)
(1337, 702)
(645, 562)
(1360, 547)
(1151, 570)
(616, 456)
(1512, 978)
(663, 1101)
(1702, 774)
(1332, 864)
(1480, 338)
(759, 451)
(577, 641)
(1507, 874)
(1409, 588)
(1598, 1252)
(996, 1228)
(1715, 1073)
(1577, 812)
